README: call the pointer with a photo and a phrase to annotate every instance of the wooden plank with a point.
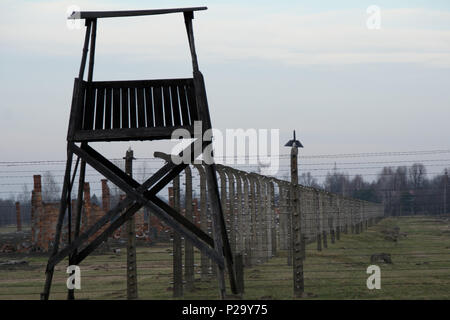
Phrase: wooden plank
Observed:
(158, 106)
(88, 151)
(108, 108)
(184, 105)
(141, 108)
(142, 83)
(116, 108)
(125, 109)
(167, 107)
(111, 214)
(149, 107)
(159, 212)
(161, 209)
(128, 134)
(192, 103)
(133, 122)
(176, 216)
(62, 210)
(100, 109)
(175, 105)
(88, 122)
(129, 13)
(76, 110)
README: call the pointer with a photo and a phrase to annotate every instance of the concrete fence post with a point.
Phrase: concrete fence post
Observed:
(259, 218)
(231, 209)
(324, 219)
(177, 245)
(318, 216)
(332, 219)
(204, 260)
(189, 272)
(338, 217)
(239, 222)
(247, 229)
(253, 208)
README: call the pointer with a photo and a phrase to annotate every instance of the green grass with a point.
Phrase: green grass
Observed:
(420, 270)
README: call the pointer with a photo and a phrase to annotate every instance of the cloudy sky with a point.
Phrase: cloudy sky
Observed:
(313, 66)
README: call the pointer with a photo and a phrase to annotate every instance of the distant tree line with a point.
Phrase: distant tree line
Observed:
(403, 190)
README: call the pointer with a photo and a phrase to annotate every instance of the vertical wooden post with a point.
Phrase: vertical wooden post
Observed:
(239, 263)
(221, 241)
(188, 247)
(296, 230)
(62, 211)
(91, 31)
(132, 289)
(18, 218)
(176, 245)
(338, 218)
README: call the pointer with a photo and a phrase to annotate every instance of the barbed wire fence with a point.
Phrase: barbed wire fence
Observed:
(258, 218)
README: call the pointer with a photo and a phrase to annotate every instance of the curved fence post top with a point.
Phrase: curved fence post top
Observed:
(200, 169)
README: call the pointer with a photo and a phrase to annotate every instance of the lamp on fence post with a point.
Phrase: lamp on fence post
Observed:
(297, 240)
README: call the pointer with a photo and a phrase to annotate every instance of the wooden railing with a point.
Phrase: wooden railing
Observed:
(132, 110)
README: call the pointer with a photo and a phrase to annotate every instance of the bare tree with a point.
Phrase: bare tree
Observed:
(417, 173)
(50, 188)
(308, 180)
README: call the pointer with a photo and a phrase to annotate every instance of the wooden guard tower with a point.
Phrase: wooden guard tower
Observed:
(127, 111)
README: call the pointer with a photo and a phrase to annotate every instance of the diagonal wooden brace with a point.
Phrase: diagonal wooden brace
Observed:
(168, 215)
(155, 180)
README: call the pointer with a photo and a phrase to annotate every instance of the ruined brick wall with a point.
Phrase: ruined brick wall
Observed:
(44, 217)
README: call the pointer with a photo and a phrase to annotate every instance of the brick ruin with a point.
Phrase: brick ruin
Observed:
(44, 216)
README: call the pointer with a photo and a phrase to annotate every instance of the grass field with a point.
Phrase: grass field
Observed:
(420, 269)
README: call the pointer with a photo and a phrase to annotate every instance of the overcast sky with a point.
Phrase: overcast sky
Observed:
(313, 66)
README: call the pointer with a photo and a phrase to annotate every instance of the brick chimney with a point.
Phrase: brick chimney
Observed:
(87, 203)
(106, 197)
(37, 183)
(36, 210)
